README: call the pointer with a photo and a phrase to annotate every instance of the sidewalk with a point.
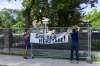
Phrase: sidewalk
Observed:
(19, 61)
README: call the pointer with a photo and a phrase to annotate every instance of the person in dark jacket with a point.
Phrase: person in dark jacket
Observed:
(26, 42)
(74, 45)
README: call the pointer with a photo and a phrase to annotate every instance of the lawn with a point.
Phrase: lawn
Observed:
(2, 65)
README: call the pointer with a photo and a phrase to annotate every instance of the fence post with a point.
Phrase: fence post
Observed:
(89, 59)
(8, 40)
(31, 50)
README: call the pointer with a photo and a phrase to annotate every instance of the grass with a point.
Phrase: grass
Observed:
(16, 54)
(2, 65)
(97, 58)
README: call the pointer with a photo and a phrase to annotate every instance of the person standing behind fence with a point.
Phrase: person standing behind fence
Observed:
(74, 45)
(26, 42)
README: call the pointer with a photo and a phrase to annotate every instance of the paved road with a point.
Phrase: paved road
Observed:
(19, 61)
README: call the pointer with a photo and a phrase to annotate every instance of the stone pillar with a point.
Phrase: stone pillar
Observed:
(7, 40)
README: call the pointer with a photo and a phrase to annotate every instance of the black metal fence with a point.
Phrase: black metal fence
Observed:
(12, 41)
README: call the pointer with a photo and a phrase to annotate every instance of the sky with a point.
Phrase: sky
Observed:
(88, 9)
(11, 4)
(18, 5)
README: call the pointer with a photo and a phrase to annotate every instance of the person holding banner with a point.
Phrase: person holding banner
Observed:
(26, 42)
(74, 45)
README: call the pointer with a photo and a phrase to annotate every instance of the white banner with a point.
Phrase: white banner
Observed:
(41, 38)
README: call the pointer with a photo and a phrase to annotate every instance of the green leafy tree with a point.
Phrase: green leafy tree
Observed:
(12, 19)
(65, 12)
(61, 13)
(35, 10)
(19, 21)
(6, 19)
(94, 18)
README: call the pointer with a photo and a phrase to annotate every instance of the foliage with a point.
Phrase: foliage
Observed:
(20, 21)
(94, 18)
(3, 65)
(65, 12)
(34, 10)
(62, 13)
(97, 58)
(6, 18)
(28, 4)
(11, 19)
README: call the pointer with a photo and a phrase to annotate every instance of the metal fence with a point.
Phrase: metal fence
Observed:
(51, 42)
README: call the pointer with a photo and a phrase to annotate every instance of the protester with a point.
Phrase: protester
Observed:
(74, 45)
(26, 42)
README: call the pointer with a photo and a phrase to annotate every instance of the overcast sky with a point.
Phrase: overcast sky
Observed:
(18, 5)
(11, 4)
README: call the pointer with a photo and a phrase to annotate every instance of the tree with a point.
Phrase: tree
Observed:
(61, 12)
(67, 12)
(6, 18)
(35, 10)
(10, 18)
(94, 18)
(19, 21)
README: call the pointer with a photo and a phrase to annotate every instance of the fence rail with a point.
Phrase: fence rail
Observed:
(13, 39)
